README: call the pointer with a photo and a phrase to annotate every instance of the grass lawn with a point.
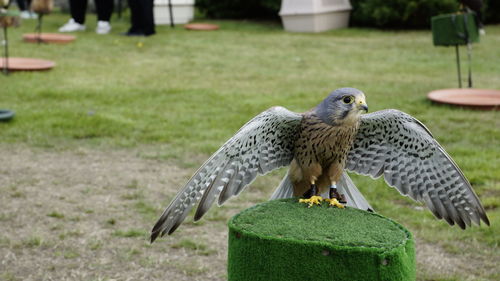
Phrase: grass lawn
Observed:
(183, 93)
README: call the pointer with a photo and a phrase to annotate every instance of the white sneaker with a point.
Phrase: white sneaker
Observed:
(72, 26)
(103, 27)
(25, 15)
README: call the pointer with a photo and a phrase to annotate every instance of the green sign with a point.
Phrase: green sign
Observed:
(454, 29)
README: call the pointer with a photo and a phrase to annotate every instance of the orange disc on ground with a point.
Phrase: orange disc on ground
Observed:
(201, 26)
(27, 64)
(49, 38)
(485, 99)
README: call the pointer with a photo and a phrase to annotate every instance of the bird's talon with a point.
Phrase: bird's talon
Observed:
(334, 202)
(314, 200)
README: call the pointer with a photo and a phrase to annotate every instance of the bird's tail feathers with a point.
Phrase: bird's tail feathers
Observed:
(284, 190)
(354, 197)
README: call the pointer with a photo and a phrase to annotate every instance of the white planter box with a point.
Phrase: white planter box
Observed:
(315, 15)
(182, 10)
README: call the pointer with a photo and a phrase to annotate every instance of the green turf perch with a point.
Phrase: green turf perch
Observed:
(319, 243)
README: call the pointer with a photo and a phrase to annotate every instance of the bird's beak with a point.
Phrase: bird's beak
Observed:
(362, 105)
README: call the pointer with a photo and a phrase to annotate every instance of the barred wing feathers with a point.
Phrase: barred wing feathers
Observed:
(399, 147)
(263, 144)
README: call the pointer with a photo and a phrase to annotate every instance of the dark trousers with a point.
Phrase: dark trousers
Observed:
(24, 4)
(142, 17)
(78, 8)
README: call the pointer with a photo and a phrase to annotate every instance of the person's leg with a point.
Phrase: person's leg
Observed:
(104, 9)
(24, 8)
(78, 8)
(142, 18)
(135, 16)
(479, 19)
(148, 24)
(22, 5)
(32, 14)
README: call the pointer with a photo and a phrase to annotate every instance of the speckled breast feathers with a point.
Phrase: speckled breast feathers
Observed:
(320, 153)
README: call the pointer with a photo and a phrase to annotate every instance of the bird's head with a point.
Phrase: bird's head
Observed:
(343, 105)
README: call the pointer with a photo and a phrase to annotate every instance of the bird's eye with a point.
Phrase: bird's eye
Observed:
(348, 100)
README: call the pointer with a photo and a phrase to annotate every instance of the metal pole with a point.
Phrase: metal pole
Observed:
(39, 29)
(469, 46)
(458, 67)
(171, 13)
(6, 51)
(119, 9)
(469, 51)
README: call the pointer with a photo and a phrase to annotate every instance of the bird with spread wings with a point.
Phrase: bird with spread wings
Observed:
(319, 146)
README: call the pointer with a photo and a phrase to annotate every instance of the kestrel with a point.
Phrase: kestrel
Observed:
(319, 146)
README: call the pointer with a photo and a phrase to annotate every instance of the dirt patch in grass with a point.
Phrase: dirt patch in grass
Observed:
(85, 214)
(435, 263)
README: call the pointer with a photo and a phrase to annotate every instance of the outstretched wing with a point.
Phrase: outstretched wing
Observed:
(398, 146)
(263, 144)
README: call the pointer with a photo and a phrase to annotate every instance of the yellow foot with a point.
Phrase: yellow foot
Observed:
(311, 201)
(335, 202)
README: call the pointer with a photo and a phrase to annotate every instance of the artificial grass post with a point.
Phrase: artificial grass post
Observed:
(285, 240)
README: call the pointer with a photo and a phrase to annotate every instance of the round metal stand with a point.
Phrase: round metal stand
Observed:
(484, 99)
